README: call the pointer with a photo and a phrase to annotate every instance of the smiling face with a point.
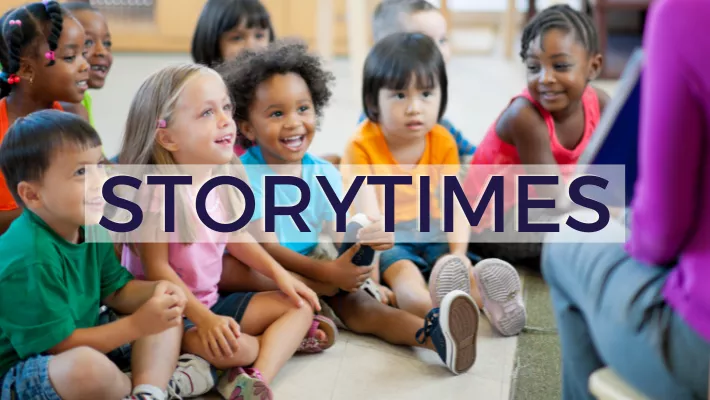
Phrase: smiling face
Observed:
(240, 38)
(559, 69)
(98, 46)
(409, 113)
(282, 119)
(69, 193)
(201, 131)
(67, 79)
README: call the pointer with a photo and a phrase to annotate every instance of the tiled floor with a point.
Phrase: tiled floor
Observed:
(361, 367)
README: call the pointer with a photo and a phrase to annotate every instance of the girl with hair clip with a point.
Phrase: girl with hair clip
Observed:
(182, 116)
(43, 67)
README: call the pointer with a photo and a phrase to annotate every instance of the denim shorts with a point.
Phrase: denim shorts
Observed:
(29, 379)
(232, 305)
(421, 248)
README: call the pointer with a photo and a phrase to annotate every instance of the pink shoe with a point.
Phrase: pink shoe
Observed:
(311, 344)
(450, 273)
(244, 384)
(500, 288)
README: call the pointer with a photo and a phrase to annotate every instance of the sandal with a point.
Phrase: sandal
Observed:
(311, 344)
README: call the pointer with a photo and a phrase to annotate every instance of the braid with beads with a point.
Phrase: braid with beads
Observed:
(561, 17)
(20, 30)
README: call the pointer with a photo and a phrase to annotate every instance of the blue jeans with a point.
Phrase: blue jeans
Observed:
(610, 311)
(231, 305)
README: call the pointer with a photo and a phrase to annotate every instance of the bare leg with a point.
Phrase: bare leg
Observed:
(84, 373)
(409, 287)
(237, 277)
(363, 314)
(154, 358)
(248, 350)
(282, 325)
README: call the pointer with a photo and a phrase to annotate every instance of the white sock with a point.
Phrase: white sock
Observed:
(154, 391)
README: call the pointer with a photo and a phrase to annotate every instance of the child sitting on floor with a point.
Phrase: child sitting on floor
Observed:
(182, 117)
(279, 96)
(548, 124)
(405, 92)
(42, 65)
(53, 342)
(392, 16)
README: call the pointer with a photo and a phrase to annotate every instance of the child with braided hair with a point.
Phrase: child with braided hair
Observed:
(43, 67)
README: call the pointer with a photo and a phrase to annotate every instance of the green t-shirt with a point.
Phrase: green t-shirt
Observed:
(49, 287)
(88, 103)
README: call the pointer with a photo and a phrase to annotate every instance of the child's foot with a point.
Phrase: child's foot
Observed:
(141, 396)
(243, 384)
(321, 336)
(453, 329)
(499, 285)
(450, 273)
(192, 377)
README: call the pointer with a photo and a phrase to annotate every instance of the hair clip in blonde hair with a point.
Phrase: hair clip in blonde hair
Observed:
(162, 124)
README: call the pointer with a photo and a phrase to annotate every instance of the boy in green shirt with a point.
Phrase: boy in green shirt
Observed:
(53, 282)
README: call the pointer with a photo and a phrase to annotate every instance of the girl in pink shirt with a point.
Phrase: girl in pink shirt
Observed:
(181, 117)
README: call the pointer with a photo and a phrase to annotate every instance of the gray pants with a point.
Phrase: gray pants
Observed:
(610, 311)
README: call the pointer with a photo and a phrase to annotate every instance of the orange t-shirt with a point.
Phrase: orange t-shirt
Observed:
(369, 147)
(7, 203)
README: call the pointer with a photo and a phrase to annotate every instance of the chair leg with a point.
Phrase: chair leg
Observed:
(357, 41)
(325, 29)
(600, 18)
(509, 28)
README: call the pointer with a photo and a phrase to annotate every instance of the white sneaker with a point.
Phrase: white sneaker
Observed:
(192, 377)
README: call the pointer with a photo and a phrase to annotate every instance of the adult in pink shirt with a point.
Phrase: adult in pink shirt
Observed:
(644, 309)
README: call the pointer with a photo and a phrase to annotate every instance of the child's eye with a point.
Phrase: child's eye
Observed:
(533, 68)
(562, 67)
(80, 172)
(259, 35)
(276, 114)
(108, 44)
(70, 59)
(228, 107)
(443, 40)
(426, 94)
(399, 96)
(303, 108)
(207, 113)
(89, 43)
(237, 38)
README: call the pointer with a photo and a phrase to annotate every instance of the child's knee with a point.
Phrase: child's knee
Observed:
(96, 374)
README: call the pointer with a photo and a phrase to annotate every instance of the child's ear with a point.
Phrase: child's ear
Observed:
(165, 139)
(595, 67)
(27, 70)
(247, 130)
(29, 193)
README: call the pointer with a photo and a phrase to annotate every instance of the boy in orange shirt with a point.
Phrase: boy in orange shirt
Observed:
(404, 97)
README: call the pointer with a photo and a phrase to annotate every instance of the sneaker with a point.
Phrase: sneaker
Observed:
(244, 384)
(453, 328)
(500, 288)
(450, 273)
(140, 396)
(192, 377)
(370, 287)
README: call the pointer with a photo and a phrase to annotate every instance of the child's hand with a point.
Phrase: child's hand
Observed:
(167, 287)
(296, 290)
(219, 335)
(387, 295)
(374, 235)
(161, 312)
(346, 275)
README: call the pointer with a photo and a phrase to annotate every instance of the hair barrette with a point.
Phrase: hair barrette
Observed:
(15, 22)
(162, 123)
(49, 55)
(13, 79)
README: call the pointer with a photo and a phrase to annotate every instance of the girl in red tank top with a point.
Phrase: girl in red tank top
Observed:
(552, 120)
(41, 55)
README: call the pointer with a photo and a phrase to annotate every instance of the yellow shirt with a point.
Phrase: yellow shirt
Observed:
(369, 147)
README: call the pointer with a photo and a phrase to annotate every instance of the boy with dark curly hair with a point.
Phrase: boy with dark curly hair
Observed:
(279, 95)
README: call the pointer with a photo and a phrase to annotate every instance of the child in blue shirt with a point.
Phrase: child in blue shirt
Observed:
(279, 94)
